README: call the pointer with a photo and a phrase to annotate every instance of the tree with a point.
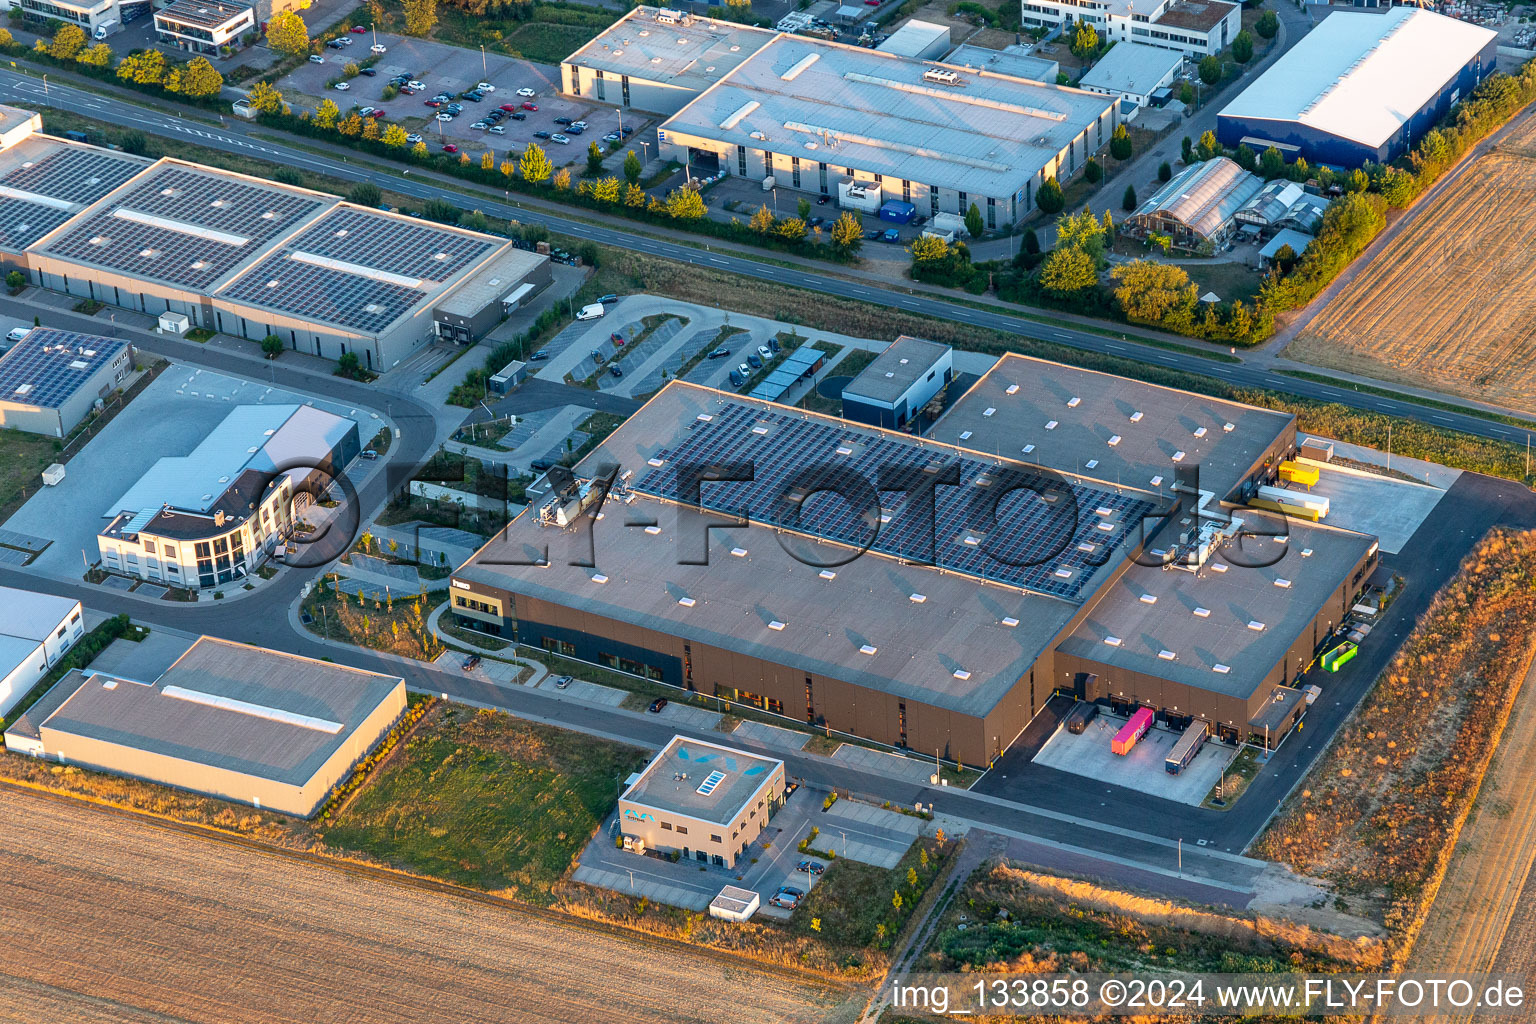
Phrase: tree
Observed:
(1031, 242)
(351, 69)
(1272, 163)
(348, 366)
(419, 151)
(634, 196)
(1120, 143)
(365, 193)
(608, 190)
(394, 136)
(264, 99)
(98, 56)
(1085, 41)
(803, 208)
(1208, 146)
(534, 165)
(146, 68)
(68, 41)
(287, 34)
(1128, 201)
(1081, 231)
(847, 233)
(351, 126)
(1149, 292)
(1049, 198)
(6, 39)
(487, 160)
(1164, 171)
(973, 222)
(15, 280)
(1267, 25)
(1242, 47)
(1245, 158)
(327, 113)
(1068, 271)
(1092, 172)
(594, 159)
(420, 16)
(685, 204)
(791, 229)
(632, 168)
(200, 78)
(762, 220)
(1285, 259)
(1397, 187)
(1188, 152)
(928, 249)
(272, 346)
(562, 180)
(1109, 226)
(1210, 70)
(1186, 93)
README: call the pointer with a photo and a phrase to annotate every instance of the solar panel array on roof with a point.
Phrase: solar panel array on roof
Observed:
(784, 376)
(394, 244)
(1022, 527)
(323, 294)
(48, 366)
(22, 222)
(187, 227)
(76, 174)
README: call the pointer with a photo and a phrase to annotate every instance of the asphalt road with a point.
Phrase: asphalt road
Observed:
(242, 138)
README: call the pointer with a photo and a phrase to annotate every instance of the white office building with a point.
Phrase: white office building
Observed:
(36, 631)
(1133, 72)
(1194, 28)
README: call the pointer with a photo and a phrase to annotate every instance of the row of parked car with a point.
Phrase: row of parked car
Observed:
(755, 361)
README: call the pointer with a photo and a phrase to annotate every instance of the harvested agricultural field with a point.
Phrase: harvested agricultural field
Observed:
(111, 917)
(1450, 303)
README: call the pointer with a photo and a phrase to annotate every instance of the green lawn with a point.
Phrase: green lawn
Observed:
(545, 43)
(484, 800)
(23, 457)
(853, 906)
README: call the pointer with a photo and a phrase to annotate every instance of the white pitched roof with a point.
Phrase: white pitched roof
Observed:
(1361, 76)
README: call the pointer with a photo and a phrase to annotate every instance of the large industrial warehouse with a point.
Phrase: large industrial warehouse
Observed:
(1360, 87)
(816, 115)
(250, 257)
(256, 726)
(1049, 486)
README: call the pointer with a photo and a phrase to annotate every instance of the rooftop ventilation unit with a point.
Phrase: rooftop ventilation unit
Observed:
(868, 649)
(1223, 669)
(598, 577)
(1256, 626)
(1051, 425)
(941, 76)
(1092, 464)
(988, 411)
(965, 435)
(687, 602)
(1074, 402)
(739, 552)
(1148, 599)
(653, 530)
(1178, 456)
(1218, 567)
(1229, 427)
(1202, 613)
(1201, 431)
(1283, 584)
(827, 574)
(1157, 481)
(1027, 449)
(1113, 641)
(917, 598)
(962, 674)
(1012, 389)
(1167, 655)
(776, 626)
(1136, 417)
(1010, 621)
(1114, 439)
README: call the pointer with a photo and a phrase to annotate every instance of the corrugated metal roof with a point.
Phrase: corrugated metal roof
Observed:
(1362, 76)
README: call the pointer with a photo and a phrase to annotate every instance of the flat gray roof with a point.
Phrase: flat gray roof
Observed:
(32, 616)
(673, 780)
(1007, 61)
(244, 709)
(1103, 427)
(693, 53)
(848, 106)
(184, 225)
(492, 282)
(1312, 563)
(893, 371)
(1132, 67)
(362, 269)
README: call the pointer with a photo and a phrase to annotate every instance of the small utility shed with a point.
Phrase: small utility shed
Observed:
(240, 723)
(1133, 72)
(466, 314)
(900, 381)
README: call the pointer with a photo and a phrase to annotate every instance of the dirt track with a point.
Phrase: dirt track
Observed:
(113, 919)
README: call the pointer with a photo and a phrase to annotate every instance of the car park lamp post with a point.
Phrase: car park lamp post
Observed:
(645, 147)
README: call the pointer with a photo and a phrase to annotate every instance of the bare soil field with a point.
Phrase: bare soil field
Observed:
(1450, 303)
(109, 917)
(1482, 918)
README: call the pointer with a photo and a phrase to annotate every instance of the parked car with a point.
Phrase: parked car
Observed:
(781, 900)
(379, 48)
(471, 661)
(415, 84)
(890, 235)
(562, 120)
(563, 682)
(526, 93)
(315, 58)
(479, 126)
(597, 353)
(541, 464)
(445, 117)
(756, 360)
(823, 201)
(605, 299)
(744, 370)
(18, 334)
(341, 86)
(614, 369)
(368, 72)
(612, 137)
(617, 339)
(518, 115)
(509, 107)
(365, 111)
(358, 30)
(455, 108)
(591, 311)
(450, 148)
(413, 138)
(433, 102)
(378, 113)
(530, 106)
(719, 353)
(471, 95)
(773, 343)
(561, 139)
(573, 130)
(811, 867)
(334, 44)
(539, 356)
(764, 353)
(737, 380)
(485, 87)
(816, 222)
(497, 129)
(657, 705)
(369, 454)
(580, 126)
(789, 890)
(541, 134)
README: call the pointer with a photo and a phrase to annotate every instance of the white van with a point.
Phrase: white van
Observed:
(591, 312)
(18, 334)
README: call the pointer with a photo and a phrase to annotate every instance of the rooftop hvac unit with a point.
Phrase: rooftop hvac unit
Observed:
(941, 76)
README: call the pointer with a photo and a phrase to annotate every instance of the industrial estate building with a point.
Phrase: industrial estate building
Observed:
(246, 256)
(255, 726)
(1135, 72)
(204, 26)
(923, 40)
(1360, 87)
(213, 516)
(1058, 508)
(891, 390)
(36, 631)
(1194, 28)
(1015, 60)
(837, 120)
(51, 380)
(706, 801)
(1198, 207)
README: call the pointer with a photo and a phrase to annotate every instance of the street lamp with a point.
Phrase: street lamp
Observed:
(645, 147)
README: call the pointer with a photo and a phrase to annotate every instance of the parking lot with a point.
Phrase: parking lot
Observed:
(170, 417)
(449, 69)
(1088, 754)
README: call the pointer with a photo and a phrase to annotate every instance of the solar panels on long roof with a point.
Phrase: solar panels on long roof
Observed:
(1005, 523)
(48, 366)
